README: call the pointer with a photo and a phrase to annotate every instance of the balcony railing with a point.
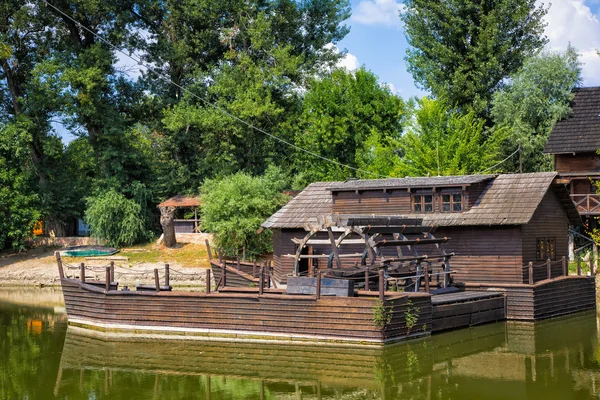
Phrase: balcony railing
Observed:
(587, 204)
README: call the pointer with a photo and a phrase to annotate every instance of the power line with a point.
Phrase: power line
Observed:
(501, 162)
(168, 80)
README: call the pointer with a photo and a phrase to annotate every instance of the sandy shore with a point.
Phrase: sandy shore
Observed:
(37, 267)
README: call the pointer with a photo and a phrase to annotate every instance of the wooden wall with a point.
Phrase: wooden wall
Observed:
(548, 221)
(235, 314)
(580, 162)
(396, 201)
(545, 299)
(375, 202)
(485, 253)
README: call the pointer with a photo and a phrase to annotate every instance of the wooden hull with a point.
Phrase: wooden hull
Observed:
(545, 299)
(246, 315)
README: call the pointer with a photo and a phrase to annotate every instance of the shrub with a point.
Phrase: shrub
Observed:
(234, 207)
(116, 219)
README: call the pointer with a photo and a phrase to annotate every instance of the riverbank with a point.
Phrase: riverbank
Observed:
(37, 267)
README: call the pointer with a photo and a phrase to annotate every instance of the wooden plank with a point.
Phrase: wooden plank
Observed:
(329, 287)
(471, 307)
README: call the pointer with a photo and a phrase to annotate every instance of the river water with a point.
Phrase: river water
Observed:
(40, 358)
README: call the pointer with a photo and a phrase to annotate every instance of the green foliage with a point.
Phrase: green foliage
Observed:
(464, 49)
(535, 98)
(411, 316)
(19, 204)
(443, 141)
(117, 220)
(235, 206)
(352, 119)
(382, 315)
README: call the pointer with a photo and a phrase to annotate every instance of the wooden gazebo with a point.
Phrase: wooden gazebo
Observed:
(183, 203)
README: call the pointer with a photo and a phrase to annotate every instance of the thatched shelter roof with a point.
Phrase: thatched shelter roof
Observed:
(182, 201)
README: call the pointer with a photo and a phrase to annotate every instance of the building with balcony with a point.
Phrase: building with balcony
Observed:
(574, 143)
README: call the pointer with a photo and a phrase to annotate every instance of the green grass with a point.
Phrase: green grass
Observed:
(185, 254)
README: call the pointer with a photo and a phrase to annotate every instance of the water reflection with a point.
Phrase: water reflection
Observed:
(556, 359)
(551, 360)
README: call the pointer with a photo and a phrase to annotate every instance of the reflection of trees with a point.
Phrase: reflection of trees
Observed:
(28, 360)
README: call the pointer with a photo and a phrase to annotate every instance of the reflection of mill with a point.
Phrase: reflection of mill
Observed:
(516, 360)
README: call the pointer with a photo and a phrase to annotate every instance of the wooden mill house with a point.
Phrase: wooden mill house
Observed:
(497, 224)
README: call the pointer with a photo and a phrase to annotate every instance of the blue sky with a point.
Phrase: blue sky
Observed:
(376, 39)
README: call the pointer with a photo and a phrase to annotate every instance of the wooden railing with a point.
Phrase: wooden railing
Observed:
(587, 203)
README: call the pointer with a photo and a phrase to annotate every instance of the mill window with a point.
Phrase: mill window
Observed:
(545, 248)
(451, 202)
(422, 203)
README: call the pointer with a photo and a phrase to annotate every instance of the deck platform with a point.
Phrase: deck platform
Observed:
(462, 309)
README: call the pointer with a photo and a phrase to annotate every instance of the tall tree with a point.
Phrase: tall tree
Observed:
(533, 100)
(463, 49)
(350, 118)
(270, 49)
(443, 141)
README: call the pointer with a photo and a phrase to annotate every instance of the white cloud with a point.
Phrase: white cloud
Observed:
(392, 87)
(378, 12)
(349, 62)
(572, 21)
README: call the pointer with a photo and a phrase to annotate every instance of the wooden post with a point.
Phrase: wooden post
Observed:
(381, 285)
(82, 272)
(336, 254)
(210, 257)
(243, 254)
(446, 272)
(107, 285)
(112, 271)
(594, 264)
(318, 286)
(224, 266)
(578, 266)
(311, 267)
(564, 266)
(167, 276)
(426, 277)
(156, 280)
(531, 272)
(220, 255)
(367, 278)
(61, 272)
(269, 272)
(261, 281)
(208, 281)
(549, 268)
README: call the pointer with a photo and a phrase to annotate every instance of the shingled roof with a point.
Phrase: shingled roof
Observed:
(312, 202)
(509, 199)
(580, 132)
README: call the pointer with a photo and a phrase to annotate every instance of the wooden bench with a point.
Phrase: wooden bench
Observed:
(329, 287)
(152, 288)
(102, 284)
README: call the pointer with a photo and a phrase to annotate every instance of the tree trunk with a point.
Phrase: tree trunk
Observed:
(167, 216)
